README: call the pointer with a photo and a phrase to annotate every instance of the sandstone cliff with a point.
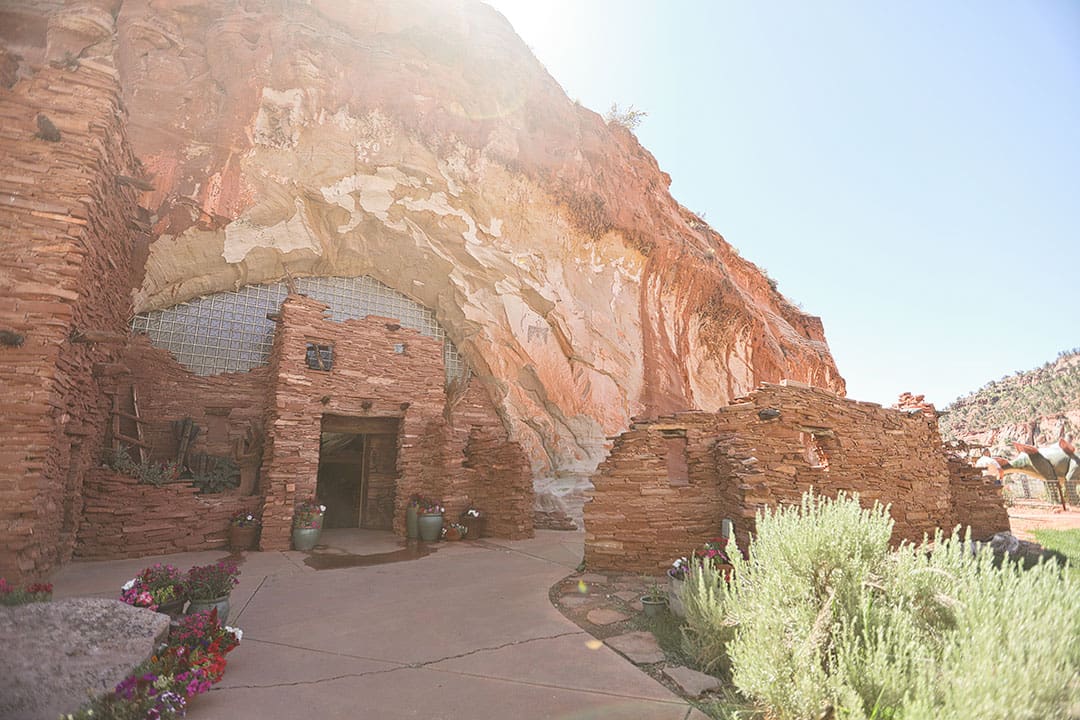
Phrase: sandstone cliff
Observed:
(1037, 407)
(419, 141)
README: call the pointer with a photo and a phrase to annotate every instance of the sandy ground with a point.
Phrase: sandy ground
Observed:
(1025, 518)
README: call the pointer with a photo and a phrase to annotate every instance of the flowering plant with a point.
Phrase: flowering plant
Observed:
(471, 512)
(13, 595)
(679, 569)
(203, 631)
(153, 587)
(209, 582)
(308, 514)
(431, 507)
(190, 662)
(416, 500)
(458, 528)
(244, 519)
(713, 549)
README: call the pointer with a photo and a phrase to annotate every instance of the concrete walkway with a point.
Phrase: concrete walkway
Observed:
(467, 631)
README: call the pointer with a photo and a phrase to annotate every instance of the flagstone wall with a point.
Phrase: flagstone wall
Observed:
(68, 228)
(768, 449)
(382, 370)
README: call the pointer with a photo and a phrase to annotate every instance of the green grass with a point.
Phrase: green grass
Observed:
(1066, 542)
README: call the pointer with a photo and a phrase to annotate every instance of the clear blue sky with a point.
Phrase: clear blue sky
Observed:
(908, 171)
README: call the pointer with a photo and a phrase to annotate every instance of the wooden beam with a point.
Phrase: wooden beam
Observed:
(98, 336)
(131, 441)
(110, 369)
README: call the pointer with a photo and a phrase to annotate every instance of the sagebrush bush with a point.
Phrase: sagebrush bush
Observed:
(708, 627)
(823, 613)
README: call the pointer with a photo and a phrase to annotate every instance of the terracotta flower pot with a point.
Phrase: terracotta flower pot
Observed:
(242, 538)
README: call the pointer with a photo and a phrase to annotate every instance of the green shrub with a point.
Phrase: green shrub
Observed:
(145, 471)
(806, 570)
(708, 627)
(823, 613)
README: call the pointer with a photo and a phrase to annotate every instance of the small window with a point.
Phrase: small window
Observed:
(320, 357)
(815, 453)
(678, 469)
(399, 348)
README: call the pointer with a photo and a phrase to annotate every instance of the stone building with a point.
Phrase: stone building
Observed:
(361, 413)
(669, 483)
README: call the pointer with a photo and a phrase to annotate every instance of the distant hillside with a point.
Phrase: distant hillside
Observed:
(1033, 407)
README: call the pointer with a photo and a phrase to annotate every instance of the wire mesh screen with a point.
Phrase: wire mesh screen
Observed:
(229, 331)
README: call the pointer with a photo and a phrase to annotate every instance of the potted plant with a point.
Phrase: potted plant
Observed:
(474, 522)
(307, 524)
(454, 531)
(677, 574)
(208, 587)
(430, 521)
(158, 587)
(412, 510)
(714, 551)
(243, 527)
(654, 598)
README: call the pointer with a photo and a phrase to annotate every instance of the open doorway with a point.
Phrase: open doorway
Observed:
(358, 471)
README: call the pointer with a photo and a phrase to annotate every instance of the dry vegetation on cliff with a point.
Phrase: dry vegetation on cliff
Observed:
(1017, 401)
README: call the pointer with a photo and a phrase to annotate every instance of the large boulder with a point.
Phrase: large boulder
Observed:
(57, 655)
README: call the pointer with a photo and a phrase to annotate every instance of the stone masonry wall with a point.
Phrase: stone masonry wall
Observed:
(126, 518)
(122, 518)
(500, 470)
(768, 449)
(979, 504)
(223, 406)
(67, 228)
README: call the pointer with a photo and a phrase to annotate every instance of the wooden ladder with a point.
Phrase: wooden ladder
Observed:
(118, 436)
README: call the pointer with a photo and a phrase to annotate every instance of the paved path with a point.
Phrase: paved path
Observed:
(465, 632)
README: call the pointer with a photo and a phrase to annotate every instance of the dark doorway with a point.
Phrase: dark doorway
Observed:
(358, 471)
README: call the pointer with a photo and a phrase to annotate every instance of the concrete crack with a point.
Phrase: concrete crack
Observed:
(488, 545)
(257, 589)
(513, 643)
(317, 681)
(401, 666)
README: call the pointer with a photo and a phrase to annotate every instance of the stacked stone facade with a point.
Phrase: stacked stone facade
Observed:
(68, 225)
(126, 518)
(457, 453)
(765, 450)
(451, 449)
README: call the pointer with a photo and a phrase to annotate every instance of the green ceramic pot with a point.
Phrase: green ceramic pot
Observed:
(430, 526)
(652, 606)
(305, 538)
(221, 603)
(412, 529)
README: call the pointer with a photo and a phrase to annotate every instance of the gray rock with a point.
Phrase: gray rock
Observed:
(56, 655)
(693, 683)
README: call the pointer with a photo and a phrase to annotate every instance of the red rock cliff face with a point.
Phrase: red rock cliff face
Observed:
(419, 141)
